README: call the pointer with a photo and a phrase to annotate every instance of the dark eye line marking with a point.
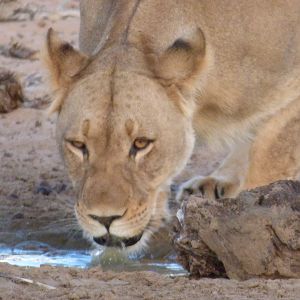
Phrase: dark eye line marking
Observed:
(80, 146)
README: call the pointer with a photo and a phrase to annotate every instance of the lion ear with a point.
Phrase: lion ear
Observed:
(179, 67)
(62, 60)
(181, 62)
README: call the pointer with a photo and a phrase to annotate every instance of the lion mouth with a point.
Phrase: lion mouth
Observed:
(109, 240)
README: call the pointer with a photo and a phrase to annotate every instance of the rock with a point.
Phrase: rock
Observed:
(17, 50)
(192, 252)
(44, 188)
(16, 10)
(18, 216)
(11, 95)
(255, 235)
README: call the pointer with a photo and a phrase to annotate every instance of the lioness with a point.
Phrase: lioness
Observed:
(150, 75)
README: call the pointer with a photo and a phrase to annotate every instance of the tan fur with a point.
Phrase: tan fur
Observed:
(275, 153)
(158, 70)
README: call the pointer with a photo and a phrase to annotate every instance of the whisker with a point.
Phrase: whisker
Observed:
(44, 229)
(72, 233)
(59, 226)
(73, 218)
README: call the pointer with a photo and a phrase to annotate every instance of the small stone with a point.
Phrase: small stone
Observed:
(7, 154)
(59, 188)
(11, 94)
(13, 196)
(18, 216)
(44, 188)
(38, 123)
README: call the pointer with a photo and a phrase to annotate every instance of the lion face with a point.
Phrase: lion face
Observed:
(121, 153)
(124, 132)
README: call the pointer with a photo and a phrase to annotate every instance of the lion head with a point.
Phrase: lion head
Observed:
(124, 130)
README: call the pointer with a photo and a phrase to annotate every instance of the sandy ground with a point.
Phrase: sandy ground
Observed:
(36, 197)
(94, 284)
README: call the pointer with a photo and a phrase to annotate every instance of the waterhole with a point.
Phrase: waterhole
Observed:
(35, 254)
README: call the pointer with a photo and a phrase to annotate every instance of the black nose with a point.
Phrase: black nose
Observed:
(105, 221)
(114, 241)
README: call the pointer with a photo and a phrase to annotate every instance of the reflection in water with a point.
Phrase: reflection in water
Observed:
(35, 254)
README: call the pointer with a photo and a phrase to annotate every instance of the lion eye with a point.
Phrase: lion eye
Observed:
(139, 144)
(80, 146)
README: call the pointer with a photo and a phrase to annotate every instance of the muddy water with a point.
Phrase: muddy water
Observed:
(34, 254)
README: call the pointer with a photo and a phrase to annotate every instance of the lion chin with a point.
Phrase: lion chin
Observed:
(136, 230)
(130, 247)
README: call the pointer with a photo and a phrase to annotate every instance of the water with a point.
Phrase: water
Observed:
(34, 254)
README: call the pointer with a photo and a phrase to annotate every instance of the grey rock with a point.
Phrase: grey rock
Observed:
(256, 234)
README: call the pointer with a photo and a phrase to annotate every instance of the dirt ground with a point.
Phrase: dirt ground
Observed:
(95, 284)
(36, 198)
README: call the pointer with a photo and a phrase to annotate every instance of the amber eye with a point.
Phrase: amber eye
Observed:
(80, 146)
(76, 144)
(140, 144)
